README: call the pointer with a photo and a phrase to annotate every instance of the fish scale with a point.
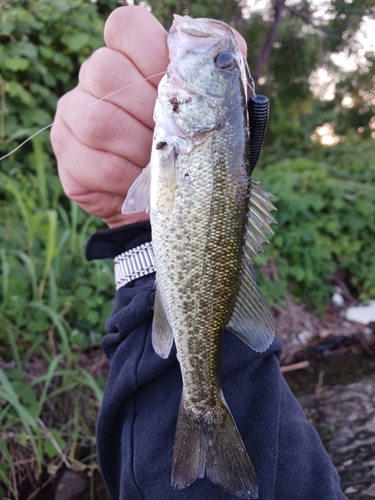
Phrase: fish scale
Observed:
(209, 253)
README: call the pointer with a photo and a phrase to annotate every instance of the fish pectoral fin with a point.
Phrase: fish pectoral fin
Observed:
(138, 197)
(251, 320)
(162, 335)
(210, 444)
(166, 180)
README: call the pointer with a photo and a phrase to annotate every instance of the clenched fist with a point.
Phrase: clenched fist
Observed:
(101, 150)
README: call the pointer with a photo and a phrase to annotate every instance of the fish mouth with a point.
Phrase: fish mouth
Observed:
(201, 27)
(200, 36)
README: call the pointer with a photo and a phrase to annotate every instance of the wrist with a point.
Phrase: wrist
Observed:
(109, 243)
(119, 220)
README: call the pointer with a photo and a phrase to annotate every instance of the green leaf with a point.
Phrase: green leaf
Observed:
(93, 384)
(93, 317)
(46, 52)
(8, 393)
(53, 438)
(84, 291)
(365, 207)
(16, 90)
(5, 452)
(22, 438)
(7, 27)
(75, 42)
(16, 63)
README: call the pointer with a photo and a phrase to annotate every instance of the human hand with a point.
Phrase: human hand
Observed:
(100, 150)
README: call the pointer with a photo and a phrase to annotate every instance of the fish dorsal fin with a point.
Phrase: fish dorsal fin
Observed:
(138, 197)
(162, 336)
(251, 320)
(259, 219)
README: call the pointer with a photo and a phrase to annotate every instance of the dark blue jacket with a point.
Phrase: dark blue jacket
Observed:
(137, 420)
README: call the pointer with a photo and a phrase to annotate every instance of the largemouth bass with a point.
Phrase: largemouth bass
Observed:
(209, 219)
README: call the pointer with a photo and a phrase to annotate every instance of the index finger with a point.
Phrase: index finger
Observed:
(241, 42)
(135, 32)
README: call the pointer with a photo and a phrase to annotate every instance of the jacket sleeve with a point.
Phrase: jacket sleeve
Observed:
(137, 419)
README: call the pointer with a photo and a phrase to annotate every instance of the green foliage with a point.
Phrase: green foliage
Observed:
(42, 44)
(52, 305)
(43, 255)
(343, 20)
(326, 223)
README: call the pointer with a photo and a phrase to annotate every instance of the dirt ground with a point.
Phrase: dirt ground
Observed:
(329, 363)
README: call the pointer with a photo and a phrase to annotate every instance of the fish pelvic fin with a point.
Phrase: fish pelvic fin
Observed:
(162, 335)
(210, 444)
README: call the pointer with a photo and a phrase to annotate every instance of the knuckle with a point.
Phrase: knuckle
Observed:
(96, 72)
(58, 130)
(97, 127)
(56, 138)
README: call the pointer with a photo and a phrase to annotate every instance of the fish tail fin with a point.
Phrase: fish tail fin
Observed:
(210, 444)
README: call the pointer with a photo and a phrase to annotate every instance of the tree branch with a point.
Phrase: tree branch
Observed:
(266, 47)
(301, 15)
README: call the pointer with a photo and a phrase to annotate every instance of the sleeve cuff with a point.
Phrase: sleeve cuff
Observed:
(108, 243)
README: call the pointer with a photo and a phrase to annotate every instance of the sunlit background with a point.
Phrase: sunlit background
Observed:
(315, 60)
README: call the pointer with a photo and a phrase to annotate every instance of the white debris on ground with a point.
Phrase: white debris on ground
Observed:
(305, 336)
(361, 314)
(301, 338)
(337, 299)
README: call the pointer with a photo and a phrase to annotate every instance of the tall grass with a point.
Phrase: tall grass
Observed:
(52, 310)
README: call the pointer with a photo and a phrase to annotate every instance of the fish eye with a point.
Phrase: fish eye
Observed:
(225, 60)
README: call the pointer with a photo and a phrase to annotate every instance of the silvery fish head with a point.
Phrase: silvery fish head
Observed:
(206, 73)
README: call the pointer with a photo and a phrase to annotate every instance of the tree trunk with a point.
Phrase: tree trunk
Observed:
(265, 50)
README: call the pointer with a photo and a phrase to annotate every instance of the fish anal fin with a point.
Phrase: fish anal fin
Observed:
(138, 197)
(210, 444)
(162, 336)
(251, 319)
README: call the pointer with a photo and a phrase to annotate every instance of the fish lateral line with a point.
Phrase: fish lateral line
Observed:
(77, 112)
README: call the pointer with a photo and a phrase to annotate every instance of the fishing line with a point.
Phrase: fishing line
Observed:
(250, 79)
(79, 111)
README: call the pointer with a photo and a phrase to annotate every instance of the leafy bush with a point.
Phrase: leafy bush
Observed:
(42, 44)
(42, 255)
(326, 223)
(53, 304)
